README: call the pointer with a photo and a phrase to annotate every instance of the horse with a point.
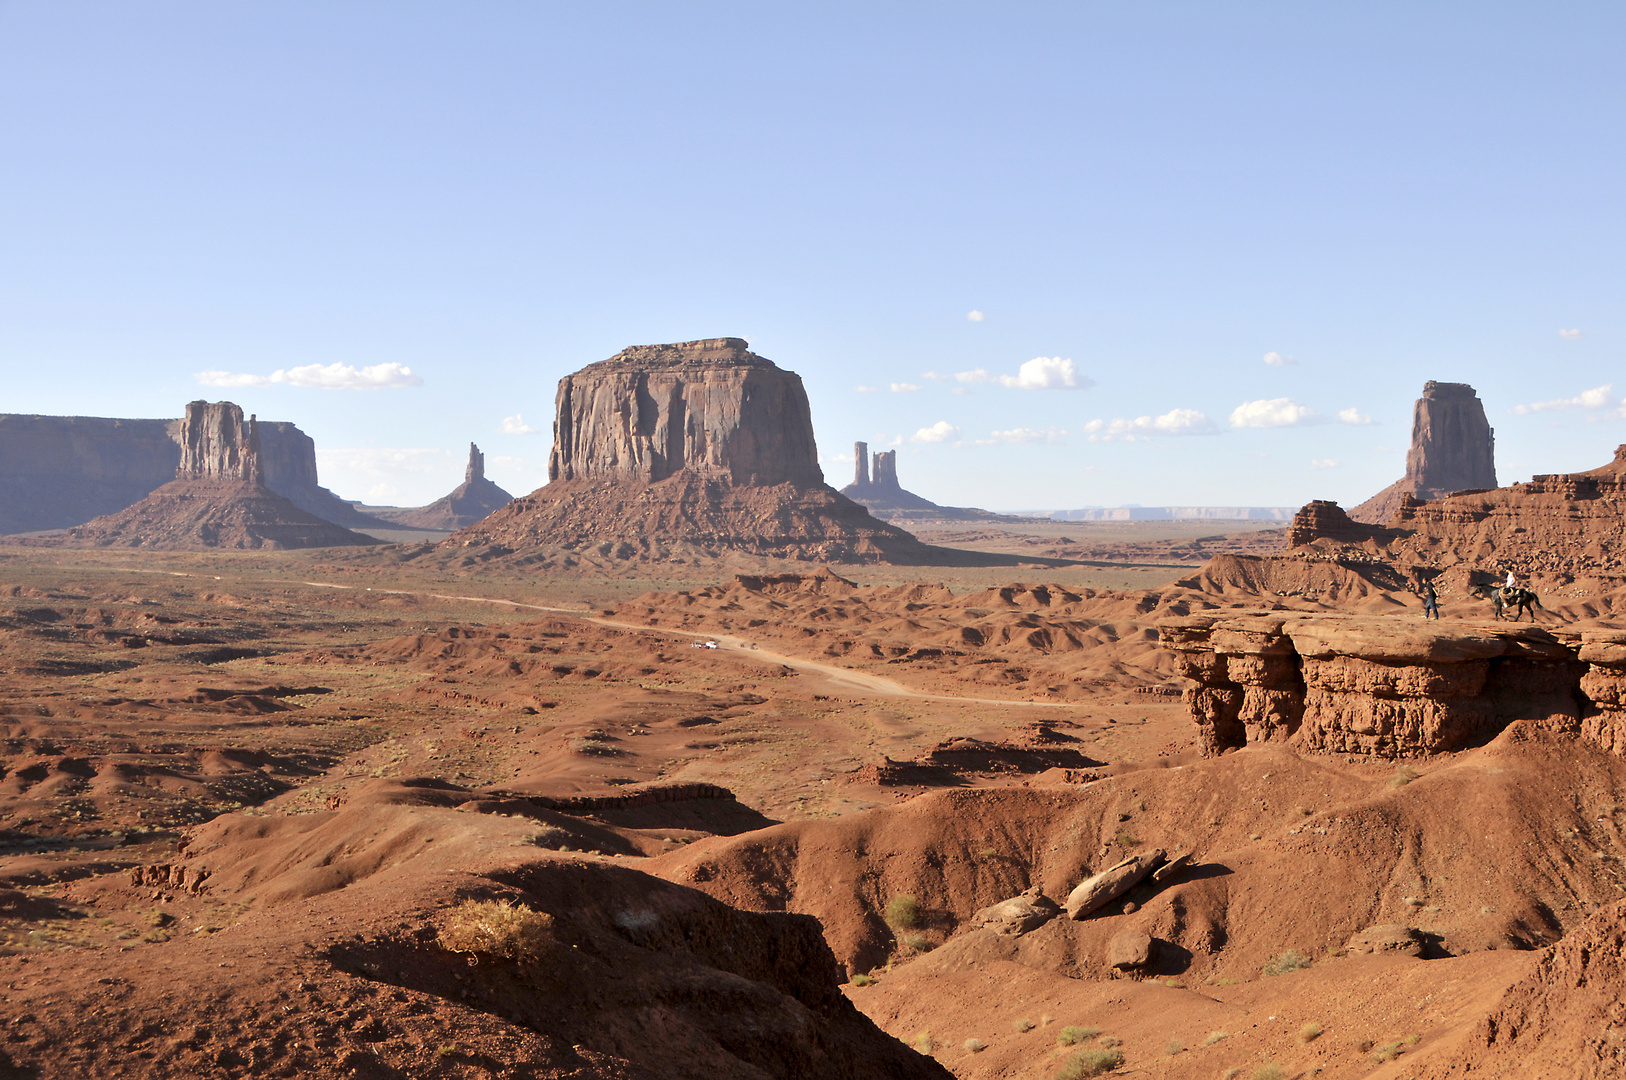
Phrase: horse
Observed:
(1502, 598)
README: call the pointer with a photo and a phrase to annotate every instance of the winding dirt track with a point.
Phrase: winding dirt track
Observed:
(838, 678)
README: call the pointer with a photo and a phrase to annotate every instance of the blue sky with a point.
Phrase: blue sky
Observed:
(1149, 199)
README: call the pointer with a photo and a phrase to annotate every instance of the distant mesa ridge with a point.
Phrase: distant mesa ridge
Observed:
(217, 498)
(1453, 449)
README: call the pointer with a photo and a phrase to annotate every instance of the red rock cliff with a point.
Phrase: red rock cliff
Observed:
(711, 408)
(1453, 448)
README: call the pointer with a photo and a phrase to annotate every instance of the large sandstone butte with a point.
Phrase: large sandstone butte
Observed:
(472, 500)
(701, 445)
(218, 497)
(886, 498)
(1453, 448)
(59, 471)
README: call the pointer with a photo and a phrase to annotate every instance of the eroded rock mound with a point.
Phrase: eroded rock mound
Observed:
(217, 499)
(701, 447)
(1453, 448)
(474, 499)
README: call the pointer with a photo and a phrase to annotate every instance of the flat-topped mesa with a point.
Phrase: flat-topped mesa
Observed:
(217, 444)
(1321, 518)
(711, 408)
(1391, 687)
(1453, 449)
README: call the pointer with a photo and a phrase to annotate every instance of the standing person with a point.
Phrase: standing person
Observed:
(1431, 602)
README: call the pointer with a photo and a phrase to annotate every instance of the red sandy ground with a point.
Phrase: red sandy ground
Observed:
(348, 765)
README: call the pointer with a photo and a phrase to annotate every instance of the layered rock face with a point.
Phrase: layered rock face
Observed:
(711, 408)
(1453, 448)
(218, 444)
(469, 502)
(700, 446)
(217, 498)
(1375, 685)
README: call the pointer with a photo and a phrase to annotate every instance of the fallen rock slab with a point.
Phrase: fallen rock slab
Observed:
(1129, 949)
(1096, 892)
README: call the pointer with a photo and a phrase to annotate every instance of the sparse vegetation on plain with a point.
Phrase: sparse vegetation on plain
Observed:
(862, 979)
(1309, 1033)
(1388, 1051)
(1403, 776)
(902, 912)
(1024, 1026)
(495, 928)
(916, 942)
(1269, 1071)
(924, 1043)
(1074, 1034)
(1284, 962)
(1090, 1062)
(976, 1046)
(1173, 1047)
(1216, 1036)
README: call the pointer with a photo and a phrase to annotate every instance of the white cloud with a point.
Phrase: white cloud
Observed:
(1276, 359)
(1173, 422)
(933, 376)
(940, 432)
(1571, 335)
(516, 425)
(976, 316)
(1599, 397)
(904, 388)
(1272, 413)
(1352, 415)
(1325, 463)
(976, 375)
(897, 440)
(1024, 435)
(866, 389)
(1046, 373)
(320, 377)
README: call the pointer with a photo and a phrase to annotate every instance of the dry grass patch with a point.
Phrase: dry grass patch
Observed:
(496, 929)
(1090, 1063)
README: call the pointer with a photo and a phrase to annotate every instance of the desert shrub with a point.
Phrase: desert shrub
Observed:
(924, 1043)
(917, 942)
(1175, 1046)
(1309, 1033)
(596, 748)
(861, 980)
(1216, 1036)
(1269, 1071)
(976, 1046)
(1403, 776)
(446, 1051)
(1090, 1063)
(1046, 1020)
(1109, 1041)
(1124, 840)
(903, 912)
(1387, 1052)
(1024, 1026)
(495, 928)
(1072, 1035)
(1282, 963)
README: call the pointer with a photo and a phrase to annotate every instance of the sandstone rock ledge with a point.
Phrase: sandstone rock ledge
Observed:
(1393, 688)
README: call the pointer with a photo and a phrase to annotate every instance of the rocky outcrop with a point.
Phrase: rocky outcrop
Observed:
(1378, 686)
(886, 499)
(217, 498)
(471, 501)
(1320, 518)
(699, 448)
(1453, 449)
(711, 408)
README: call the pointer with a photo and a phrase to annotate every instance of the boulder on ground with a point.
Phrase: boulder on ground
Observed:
(1017, 915)
(1129, 949)
(1094, 893)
